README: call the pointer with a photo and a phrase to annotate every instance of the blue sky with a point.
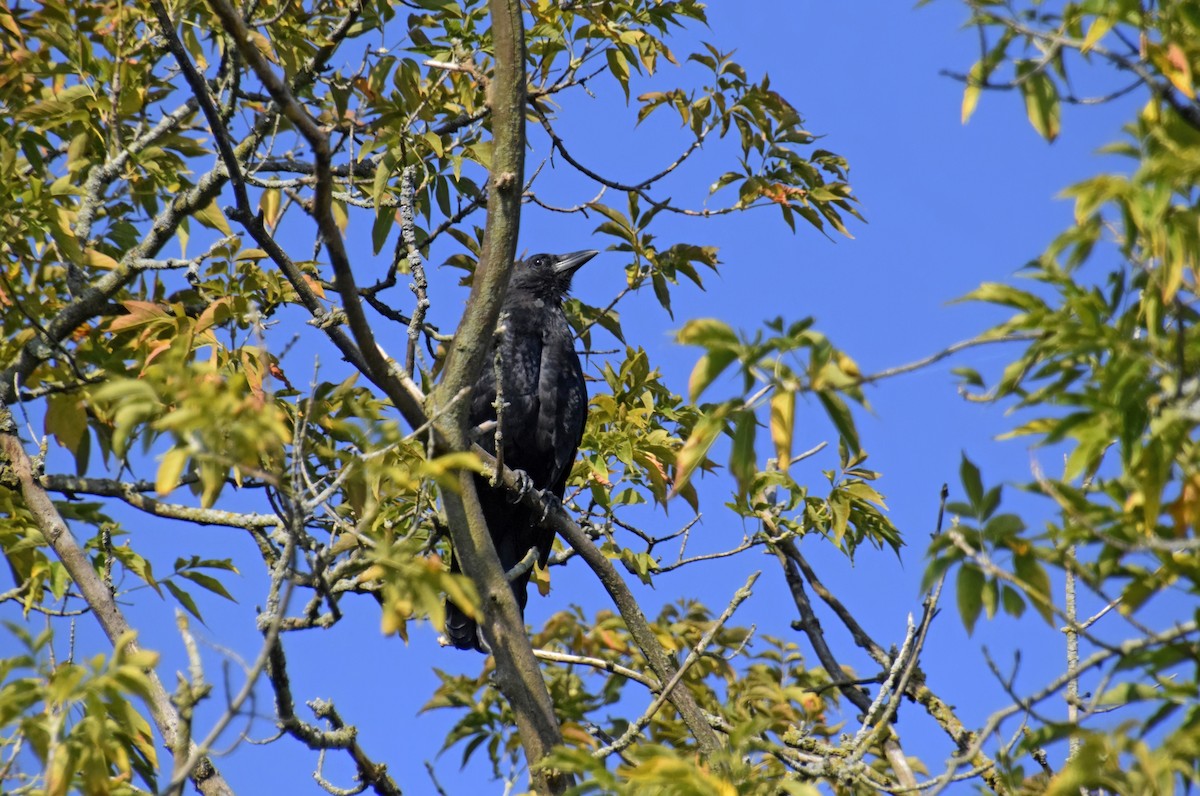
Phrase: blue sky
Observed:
(948, 206)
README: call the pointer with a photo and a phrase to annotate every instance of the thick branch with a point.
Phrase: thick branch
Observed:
(134, 495)
(520, 678)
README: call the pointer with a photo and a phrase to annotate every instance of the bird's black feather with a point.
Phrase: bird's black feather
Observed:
(541, 422)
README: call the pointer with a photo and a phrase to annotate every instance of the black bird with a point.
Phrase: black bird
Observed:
(541, 421)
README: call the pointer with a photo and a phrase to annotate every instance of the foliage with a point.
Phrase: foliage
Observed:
(1109, 379)
(767, 696)
(81, 721)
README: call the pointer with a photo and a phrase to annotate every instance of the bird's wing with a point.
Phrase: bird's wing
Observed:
(522, 364)
(521, 356)
(562, 409)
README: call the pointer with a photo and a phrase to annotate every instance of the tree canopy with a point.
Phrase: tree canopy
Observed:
(223, 313)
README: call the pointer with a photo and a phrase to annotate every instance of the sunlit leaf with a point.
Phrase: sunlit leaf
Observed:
(783, 421)
(707, 369)
(1041, 99)
(743, 460)
(173, 463)
(695, 449)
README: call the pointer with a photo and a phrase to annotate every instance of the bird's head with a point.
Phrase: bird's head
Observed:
(548, 276)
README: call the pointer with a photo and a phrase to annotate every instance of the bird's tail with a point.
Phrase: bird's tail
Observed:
(462, 630)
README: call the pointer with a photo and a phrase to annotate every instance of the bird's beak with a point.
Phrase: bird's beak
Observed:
(567, 263)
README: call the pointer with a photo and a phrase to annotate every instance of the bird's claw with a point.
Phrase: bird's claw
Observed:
(524, 486)
(550, 504)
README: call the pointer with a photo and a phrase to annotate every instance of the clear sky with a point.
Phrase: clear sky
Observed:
(949, 206)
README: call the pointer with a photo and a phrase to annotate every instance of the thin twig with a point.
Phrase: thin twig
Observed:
(636, 728)
(420, 285)
(599, 663)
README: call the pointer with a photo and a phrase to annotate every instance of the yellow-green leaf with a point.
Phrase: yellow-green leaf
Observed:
(211, 216)
(212, 481)
(435, 143)
(707, 332)
(66, 420)
(972, 91)
(783, 422)
(707, 368)
(1033, 575)
(1099, 27)
(1178, 69)
(98, 259)
(743, 462)
(341, 217)
(169, 471)
(694, 451)
(269, 204)
(1041, 100)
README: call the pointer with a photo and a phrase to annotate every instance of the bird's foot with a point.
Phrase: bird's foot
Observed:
(524, 487)
(550, 504)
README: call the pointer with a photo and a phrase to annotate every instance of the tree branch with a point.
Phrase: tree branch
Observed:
(669, 688)
(519, 676)
(554, 516)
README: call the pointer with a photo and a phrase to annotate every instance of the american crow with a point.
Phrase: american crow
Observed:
(541, 419)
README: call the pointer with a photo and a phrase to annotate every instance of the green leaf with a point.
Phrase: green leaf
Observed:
(972, 483)
(662, 292)
(707, 368)
(936, 569)
(207, 582)
(1041, 99)
(991, 501)
(1014, 603)
(970, 595)
(184, 599)
(1034, 576)
(1003, 527)
(707, 332)
(968, 376)
(694, 451)
(843, 421)
(743, 462)
(385, 218)
(1006, 295)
